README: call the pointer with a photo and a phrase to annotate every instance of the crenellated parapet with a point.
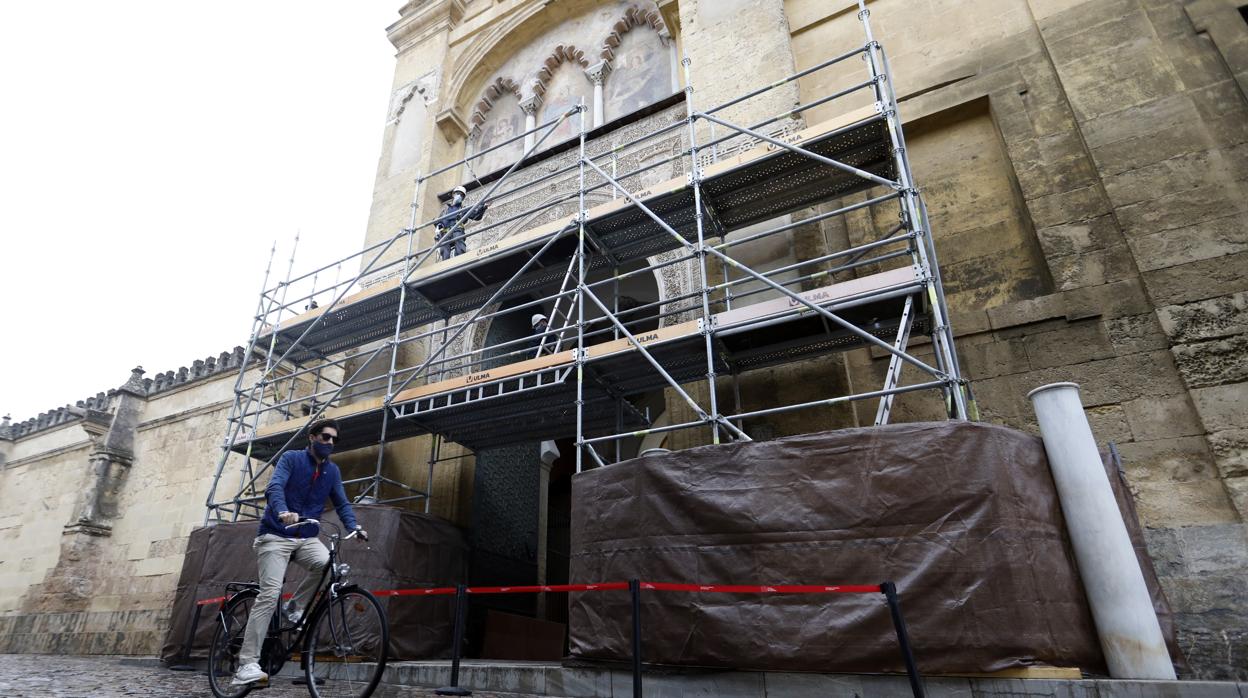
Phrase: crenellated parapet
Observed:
(106, 402)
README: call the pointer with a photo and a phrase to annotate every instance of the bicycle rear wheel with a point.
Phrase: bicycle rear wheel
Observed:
(346, 649)
(226, 641)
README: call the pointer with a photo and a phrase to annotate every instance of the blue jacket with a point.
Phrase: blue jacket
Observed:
(297, 486)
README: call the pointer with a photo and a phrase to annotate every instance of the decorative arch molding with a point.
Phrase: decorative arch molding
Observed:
(500, 86)
(563, 53)
(633, 17)
(472, 63)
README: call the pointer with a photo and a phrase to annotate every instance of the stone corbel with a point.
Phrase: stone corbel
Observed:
(452, 125)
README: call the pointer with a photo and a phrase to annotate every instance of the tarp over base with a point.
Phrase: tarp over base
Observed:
(964, 518)
(405, 551)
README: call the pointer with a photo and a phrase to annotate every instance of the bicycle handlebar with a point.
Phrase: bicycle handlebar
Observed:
(357, 532)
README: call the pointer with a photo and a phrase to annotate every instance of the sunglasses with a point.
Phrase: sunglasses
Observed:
(326, 438)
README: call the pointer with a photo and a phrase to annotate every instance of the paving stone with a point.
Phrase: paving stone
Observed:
(39, 676)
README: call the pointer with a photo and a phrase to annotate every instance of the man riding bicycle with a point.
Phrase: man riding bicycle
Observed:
(301, 482)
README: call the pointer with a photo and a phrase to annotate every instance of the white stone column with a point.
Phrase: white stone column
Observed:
(530, 107)
(1121, 606)
(597, 74)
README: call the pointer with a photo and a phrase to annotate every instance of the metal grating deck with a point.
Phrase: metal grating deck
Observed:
(757, 186)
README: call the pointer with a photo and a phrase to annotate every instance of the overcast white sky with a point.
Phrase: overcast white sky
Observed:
(151, 152)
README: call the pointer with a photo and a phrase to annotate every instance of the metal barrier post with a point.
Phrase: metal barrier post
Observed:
(634, 590)
(185, 663)
(903, 638)
(461, 603)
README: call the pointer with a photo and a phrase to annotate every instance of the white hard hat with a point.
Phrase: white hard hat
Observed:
(537, 317)
(461, 190)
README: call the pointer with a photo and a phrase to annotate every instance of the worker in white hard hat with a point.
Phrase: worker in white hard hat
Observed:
(540, 323)
(450, 225)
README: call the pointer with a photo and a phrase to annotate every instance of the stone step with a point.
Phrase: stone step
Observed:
(555, 679)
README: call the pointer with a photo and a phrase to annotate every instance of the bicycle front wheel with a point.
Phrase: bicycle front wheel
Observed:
(347, 647)
(226, 641)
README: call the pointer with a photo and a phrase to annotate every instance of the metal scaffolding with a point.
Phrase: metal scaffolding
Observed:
(579, 378)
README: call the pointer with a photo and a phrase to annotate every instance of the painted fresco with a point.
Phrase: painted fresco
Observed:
(504, 120)
(568, 86)
(641, 73)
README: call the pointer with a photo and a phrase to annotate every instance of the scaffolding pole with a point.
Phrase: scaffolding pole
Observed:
(475, 394)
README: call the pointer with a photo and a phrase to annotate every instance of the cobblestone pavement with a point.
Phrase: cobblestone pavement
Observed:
(59, 676)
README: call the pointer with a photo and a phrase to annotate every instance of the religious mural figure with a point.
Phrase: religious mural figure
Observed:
(641, 74)
(504, 121)
(566, 89)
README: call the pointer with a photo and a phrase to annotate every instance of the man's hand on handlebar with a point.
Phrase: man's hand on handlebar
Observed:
(288, 517)
(359, 531)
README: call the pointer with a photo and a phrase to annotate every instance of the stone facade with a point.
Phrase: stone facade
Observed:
(96, 503)
(1085, 163)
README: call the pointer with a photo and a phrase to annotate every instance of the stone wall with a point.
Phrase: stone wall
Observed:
(97, 510)
(1084, 166)
(1084, 162)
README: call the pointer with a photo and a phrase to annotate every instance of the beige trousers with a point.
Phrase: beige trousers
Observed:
(274, 554)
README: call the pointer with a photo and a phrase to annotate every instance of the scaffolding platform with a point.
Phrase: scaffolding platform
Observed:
(755, 186)
(614, 345)
(478, 410)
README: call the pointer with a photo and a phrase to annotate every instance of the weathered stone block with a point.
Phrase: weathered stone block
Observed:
(1109, 423)
(1092, 268)
(1206, 240)
(1112, 300)
(1080, 236)
(1058, 21)
(1162, 417)
(1168, 460)
(1047, 177)
(992, 359)
(1230, 451)
(1199, 550)
(1051, 119)
(1194, 502)
(969, 322)
(1118, 78)
(1237, 489)
(1181, 209)
(1026, 311)
(1145, 121)
(1120, 30)
(1207, 319)
(1213, 362)
(1134, 153)
(1196, 281)
(1177, 174)
(1076, 205)
(1195, 60)
(1078, 343)
(1222, 407)
(1168, 19)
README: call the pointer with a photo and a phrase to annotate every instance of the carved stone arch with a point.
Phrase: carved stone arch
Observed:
(633, 17)
(563, 53)
(500, 86)
(473, 65)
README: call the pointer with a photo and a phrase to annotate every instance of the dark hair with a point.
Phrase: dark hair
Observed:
(317, 426)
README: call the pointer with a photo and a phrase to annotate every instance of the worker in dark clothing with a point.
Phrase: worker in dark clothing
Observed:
(540, 325)
(450, 227)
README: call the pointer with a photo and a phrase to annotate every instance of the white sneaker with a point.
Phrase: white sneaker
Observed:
(249, 673)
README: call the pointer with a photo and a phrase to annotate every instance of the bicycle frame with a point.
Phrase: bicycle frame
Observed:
(324, 594)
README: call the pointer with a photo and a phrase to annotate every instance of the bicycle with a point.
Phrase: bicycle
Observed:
(343, 637)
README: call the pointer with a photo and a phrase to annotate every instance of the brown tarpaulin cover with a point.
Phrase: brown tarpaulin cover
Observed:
(405, 551)
(964, 518)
